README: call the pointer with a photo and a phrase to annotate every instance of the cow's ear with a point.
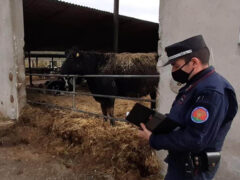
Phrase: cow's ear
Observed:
(77, 54)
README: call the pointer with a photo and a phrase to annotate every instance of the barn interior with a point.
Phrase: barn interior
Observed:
(52, 25)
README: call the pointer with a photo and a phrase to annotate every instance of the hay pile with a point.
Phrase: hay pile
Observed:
(118, 148)
(131, 63)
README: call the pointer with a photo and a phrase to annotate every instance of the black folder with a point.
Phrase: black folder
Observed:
(139, 114)
(155, 122)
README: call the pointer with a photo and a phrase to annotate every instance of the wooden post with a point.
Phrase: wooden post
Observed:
(116, 25)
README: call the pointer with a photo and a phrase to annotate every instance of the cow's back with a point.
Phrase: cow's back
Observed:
(132, 64)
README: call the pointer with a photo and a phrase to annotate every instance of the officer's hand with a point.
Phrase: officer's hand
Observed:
(145, 133)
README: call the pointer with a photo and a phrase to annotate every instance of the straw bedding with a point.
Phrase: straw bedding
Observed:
(117, 149)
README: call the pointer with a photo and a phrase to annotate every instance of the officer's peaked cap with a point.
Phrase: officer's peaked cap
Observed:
(183, 48)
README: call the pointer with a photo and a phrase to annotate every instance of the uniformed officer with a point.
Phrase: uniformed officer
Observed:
(204, 109)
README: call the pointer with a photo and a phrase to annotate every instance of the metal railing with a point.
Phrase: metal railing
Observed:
(74, 93)
(95, 75)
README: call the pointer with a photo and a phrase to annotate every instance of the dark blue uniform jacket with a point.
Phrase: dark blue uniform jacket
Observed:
(204, 108)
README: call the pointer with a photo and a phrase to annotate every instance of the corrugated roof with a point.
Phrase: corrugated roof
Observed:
(56, 25)
(83, 6)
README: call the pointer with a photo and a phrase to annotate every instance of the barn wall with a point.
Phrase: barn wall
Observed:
(218, 21)
(12, 87)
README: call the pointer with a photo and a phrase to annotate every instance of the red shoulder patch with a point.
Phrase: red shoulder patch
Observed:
(199, 115)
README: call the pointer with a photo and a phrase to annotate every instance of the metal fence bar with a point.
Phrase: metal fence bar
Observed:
(30, 69)
(52, 63)
(74, 92)
(47, 55)
(96, 95)
(118, 97)
(87, 94)
(50, 90)
(95, 75)
(76, 110)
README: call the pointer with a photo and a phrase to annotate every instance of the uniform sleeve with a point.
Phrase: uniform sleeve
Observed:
(203, 121)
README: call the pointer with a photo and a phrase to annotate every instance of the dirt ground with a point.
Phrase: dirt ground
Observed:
(59, 144)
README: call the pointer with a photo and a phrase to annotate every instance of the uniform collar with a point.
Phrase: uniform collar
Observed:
(199, 75)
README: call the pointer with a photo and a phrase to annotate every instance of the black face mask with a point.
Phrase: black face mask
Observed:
(180, 75)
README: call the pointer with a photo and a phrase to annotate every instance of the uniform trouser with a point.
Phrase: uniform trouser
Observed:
(176, 171)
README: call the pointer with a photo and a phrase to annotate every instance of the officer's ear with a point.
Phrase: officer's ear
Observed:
(195, 61)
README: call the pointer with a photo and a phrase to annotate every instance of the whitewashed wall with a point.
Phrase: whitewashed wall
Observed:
(12, 77)
(219, 22)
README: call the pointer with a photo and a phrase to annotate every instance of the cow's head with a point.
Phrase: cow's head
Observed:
(75, 63)
(80, 62)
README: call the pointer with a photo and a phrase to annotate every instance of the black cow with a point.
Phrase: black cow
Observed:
(85, 63)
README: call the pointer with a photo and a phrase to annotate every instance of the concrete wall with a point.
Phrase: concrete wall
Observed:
(12, 77)
(218, 21)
